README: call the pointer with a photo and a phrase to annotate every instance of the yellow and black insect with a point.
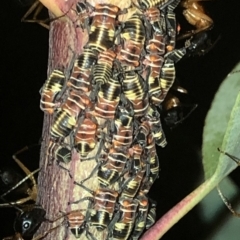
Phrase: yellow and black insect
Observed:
(145, 4)
(86, 135)
(110, 171)
(168, 72)
(83, 15)
(60, 152)
(51, 90)
(152, 165)
(81, 75)
(132, 38)
(123, 222)
(171, 24)
(133, 178)
(141, 218)
(102, 31)
(108, 98)
(66, 118)
(134, 89)
(120, 130)
(101, 206)
(151, 217)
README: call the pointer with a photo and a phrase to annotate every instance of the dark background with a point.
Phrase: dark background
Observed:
(24, 55)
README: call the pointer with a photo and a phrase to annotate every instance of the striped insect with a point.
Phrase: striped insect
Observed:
(86, 135)
(66, 118)
(134, 89)
(132, 38)
(123, 222)
(108, 98)
(153, 61)
(154, 121)
(81, 75)
(168, 72)
(152, 165)
(102, 71)
(120, 131)
(133, 178)
(156, 19)
(60, 152)
(83, 15)
(110, 171)
(141, 218)
(103, 27)
(145, 4)
(151, 217)
(142, 133)
(77, 223)
(171, 24)
(51, 91)
(101, 206)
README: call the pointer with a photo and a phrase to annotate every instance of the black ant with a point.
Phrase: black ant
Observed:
(10, 178)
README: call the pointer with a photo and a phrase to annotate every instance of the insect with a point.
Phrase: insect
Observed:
(141, 218)
(83, 14)
(145, 4)
(133, 178)
(151, 217)
(103, 69)
(60, 152)
(153, 119)
(50, 91)
(152, 165)
(201, 43)
(168, 72)
(102, 206)
(102, 31)
(27, 223)
(66, 118)
(81, 75)
(175, 111)
(134, 89)
(121, 129)
(14, 182)
(112, 170)
(196, 16)
(85, 135)
(123, 222)
(108, 98)
(133, 38)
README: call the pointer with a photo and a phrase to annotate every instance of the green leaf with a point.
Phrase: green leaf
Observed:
(216, 123)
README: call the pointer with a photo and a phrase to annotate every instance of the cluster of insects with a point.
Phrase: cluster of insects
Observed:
(107, 110)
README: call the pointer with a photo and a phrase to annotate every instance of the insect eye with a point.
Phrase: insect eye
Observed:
(26, 225)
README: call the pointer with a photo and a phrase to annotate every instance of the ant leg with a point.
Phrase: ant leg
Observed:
(30, 10)
(47, 232)
(235, 159)
(227, 203)
(23, 167)
(23, 180)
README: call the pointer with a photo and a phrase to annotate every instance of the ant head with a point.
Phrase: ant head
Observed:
(27, 222)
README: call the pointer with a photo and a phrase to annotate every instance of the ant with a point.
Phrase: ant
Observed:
(196, 16)
(10, 178)
(36, 8)
(27, 223)
(224, 199)
(175, 111)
